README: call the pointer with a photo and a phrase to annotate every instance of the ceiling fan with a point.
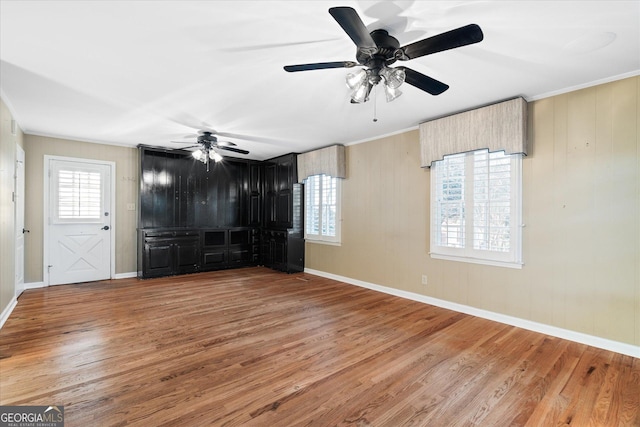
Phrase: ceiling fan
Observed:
(377, 50)
(208, 146)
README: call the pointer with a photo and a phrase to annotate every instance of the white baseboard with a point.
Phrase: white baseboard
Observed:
(34, 285)
(7, 311)
(615, 346)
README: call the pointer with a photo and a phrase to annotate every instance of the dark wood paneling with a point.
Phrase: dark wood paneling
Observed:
(177, 191)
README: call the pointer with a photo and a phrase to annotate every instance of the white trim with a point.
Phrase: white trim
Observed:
(8, 310)
(46, 202)
(615, 346)
(386, 135)
(322, 242)
(19, 212)
(34, 285)
(518, 265)
(584, 85)
(126, 275)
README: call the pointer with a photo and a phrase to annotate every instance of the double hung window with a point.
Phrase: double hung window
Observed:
(322, 208)
(476, 208)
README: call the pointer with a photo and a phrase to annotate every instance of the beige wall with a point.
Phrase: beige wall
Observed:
(126, 159)
(581, 205)
(7, 208)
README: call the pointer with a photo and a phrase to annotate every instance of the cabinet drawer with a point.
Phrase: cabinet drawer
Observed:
(213, 258)
(165, 234)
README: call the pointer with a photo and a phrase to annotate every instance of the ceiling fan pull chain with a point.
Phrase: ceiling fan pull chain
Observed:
(375, 103)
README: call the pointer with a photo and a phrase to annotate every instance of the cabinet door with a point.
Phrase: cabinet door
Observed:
(158, 259)
(270, 210)
(280, 252)
(255, 209)
(285, 173)
(157, 195)
(266, 250)
(270, 195)
(284, 209)
(255, 195)
(187, 255)
(255, 178)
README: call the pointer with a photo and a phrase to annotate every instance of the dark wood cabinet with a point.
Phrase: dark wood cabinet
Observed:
(283, 233)
(283, 250)
(240, 248)
(233, 247)
(238, 213)
(214, 249)
(256, 172)
(167, 252)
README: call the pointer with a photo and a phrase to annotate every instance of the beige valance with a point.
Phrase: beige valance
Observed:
(329, 161)
(498, 127)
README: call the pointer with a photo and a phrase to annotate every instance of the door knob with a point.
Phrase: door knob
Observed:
(106, 227)
(24, 230)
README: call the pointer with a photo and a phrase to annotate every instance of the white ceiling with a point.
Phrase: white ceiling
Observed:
(149, 72)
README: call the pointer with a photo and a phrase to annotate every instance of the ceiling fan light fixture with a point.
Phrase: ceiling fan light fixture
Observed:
(357, 79)
(361, 94)
(393, 77)
(215, 156)
(391, 93)
(198, 154)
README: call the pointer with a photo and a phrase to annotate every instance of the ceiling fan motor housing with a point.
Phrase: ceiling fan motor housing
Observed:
(385, 54)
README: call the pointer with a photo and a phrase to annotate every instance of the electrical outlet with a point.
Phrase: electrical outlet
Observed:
(424, 279)
(131, 206)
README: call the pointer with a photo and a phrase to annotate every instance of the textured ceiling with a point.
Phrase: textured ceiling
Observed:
(150, 72)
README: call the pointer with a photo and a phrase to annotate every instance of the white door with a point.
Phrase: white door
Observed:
(19, 206)
(79, 221)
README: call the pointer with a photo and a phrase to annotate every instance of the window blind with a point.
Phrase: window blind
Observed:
(79, 194)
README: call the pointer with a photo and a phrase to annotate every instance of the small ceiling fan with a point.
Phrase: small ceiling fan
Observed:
(377, 50)
(208, 144)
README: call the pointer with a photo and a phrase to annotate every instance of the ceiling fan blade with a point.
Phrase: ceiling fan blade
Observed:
(235, 150)
(459, 37)
(185, 142)
(351, 23)
(319, 66)
(425, 83)
(225, 144)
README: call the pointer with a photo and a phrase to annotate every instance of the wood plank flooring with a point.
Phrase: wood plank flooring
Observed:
(253, 347)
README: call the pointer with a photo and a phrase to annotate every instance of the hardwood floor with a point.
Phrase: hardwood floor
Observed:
(253, 347)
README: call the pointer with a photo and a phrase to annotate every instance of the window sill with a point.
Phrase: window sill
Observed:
(516, 265)
(323, 242)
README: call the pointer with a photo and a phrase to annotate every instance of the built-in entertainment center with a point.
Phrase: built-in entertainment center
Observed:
(238, 213)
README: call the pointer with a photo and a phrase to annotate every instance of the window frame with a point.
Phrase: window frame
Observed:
(510, 259)
(321, 238)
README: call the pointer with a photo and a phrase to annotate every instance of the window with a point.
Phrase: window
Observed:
(476, 208)
(322, 208)
(79, 195)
